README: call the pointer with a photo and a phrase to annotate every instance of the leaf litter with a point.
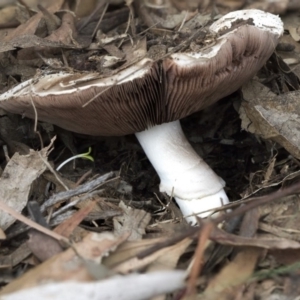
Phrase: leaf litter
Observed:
(109, 223)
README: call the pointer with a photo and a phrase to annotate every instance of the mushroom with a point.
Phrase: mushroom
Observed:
(149, 98)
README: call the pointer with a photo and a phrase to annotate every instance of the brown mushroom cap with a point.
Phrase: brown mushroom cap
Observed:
(147, 93)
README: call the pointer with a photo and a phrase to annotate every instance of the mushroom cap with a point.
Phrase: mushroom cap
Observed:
(151, 92)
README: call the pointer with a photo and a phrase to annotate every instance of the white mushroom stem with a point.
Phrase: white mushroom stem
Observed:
(183, 173)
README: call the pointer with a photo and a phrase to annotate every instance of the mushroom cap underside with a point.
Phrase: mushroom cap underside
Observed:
(148, 93)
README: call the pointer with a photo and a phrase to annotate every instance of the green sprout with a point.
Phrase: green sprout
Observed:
(82, 155)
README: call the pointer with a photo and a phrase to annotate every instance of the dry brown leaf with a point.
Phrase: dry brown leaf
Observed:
(275, 7)
(16, 181)
(84, 8)
(292, 24)
(250, 223)
(289, 51)
(232, 275)
(232, 5)
(228, 239)
(30, 27)
(285, 257)
(2, 235)
(133, 220)
(271, 116)
(67, 265)
(224, 285)
(43, 246)
(169, 259)
(282, 218)
(29, 41)
(7, 14)
(129, 250)
(17, 256)
(66, 33)
(66, 228)
(135, 263)
(102, 210)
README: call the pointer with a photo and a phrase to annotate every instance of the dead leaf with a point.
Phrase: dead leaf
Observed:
(275, 7)
(292, 24)
(84, 7)
(235, 273)
(17, 256)
(169, 259)
(42, 245)
(135, 263)
(133, 220)
(271, 116)
(16, 181)
(2, 235)
(66, 33)
(67, 265)
(228, 239)
(66, 228)
(7, 14)
(30, 27)
(128, 250)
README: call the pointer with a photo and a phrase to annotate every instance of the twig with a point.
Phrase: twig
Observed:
(203, 235)
(77, 191)
(100, 20)
(31, 223)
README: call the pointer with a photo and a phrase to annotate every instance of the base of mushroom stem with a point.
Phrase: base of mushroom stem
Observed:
(191, 208)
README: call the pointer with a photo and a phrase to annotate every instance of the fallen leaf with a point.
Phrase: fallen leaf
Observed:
(133, 220)
(14, 258)
(129, 250)
(232, 275)
(67, 265)
(30, 27)
(16, 181)
(228, 239)
(66, 228)
(271, 116)
(135, 263)
(169, 259)
(2, 235)
(42, 245)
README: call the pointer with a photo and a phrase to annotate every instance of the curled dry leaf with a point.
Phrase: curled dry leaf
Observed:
(271, 116)
(16, 181)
